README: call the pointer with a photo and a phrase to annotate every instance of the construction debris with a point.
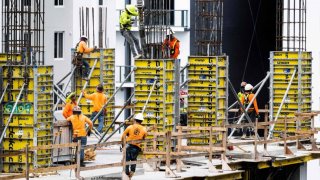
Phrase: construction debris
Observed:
(89, 155)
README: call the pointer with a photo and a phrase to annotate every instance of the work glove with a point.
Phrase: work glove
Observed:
(121, 148)
(257, 116)
(95, 49)
(89, 133)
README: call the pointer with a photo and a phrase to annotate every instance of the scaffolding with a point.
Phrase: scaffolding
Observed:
(208, 27)
(291, 25)
(23, 30)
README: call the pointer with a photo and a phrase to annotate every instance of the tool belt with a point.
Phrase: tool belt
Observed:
(77, 59)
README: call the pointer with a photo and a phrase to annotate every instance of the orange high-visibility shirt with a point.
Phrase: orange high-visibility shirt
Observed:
(250, 97)
(67, 111)
(82, 47)
(98, 100)
(173, 45)
(79, 124)
(135, 132)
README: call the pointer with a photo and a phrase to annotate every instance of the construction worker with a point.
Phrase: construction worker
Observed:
(127, 18)
(134, 132)
(98, 100)
(171, 45)
(78, 122)
(253, 112)
(70, 104)
(81, 48)
(241, 92)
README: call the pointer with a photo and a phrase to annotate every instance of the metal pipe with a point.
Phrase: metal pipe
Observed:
(61, 98)
(11, 114)
(114, 120)
(254, 97)
(65, 88)
(147, 101)
(282, 102)
(58, 88)
(3, 93)
(255, 87)
(87, 82)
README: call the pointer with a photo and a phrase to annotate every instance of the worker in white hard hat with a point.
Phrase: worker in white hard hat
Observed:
(134, 132)
(81, 48)
(253, 112)
(170, 45)
(79, 122)
(127, 18)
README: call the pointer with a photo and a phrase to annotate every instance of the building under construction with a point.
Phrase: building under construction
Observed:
(191, 107)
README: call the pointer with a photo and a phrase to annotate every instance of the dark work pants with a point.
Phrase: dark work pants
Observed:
(132, 152)
(246, 129)
(133, 42)
(86, 65)
(83, 143)
(100, 120)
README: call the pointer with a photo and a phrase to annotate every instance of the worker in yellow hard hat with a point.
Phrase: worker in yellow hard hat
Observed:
(253, 112)
(134, 132)
(82, 48)
(79, 122)
(127, 18)
(70, 104)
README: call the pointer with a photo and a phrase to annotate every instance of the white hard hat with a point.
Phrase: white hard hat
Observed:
(248, 87)
(76, 109)
(169, 32)
(139, 116)
(83, 36)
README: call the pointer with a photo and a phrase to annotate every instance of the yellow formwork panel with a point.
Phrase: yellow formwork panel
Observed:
(206, 93)
(25, 123)
(9, 57)
(283, 65)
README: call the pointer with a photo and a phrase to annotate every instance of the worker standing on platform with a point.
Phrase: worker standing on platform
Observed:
(70, 104)
(127, 18)
(134, 132)
(253, 112)
(81, 48)
(171, 45)
(98, 100)
(79, 121)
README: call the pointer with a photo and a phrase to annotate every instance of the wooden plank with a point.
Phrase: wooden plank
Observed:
(162, 153)
(201, 148)
(52, 146)
(49, 169)
(188, 128)
(16, 176)
(11, 154)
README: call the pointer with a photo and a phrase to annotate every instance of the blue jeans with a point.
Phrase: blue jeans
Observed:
(86, 65)
(132, 152)
(83, 143)
(100, 120)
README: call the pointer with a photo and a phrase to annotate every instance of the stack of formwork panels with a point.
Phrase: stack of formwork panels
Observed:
(160, 108)
(32, 120)
(103, 73)
(207, 93)
(298, 99)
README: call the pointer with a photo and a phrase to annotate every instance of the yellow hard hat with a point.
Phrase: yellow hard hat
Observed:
(132, 10)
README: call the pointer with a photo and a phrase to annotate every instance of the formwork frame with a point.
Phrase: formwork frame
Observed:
(291, 25)
(23, 29)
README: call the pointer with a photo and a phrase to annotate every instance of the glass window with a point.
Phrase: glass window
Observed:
(58, 45)
(58, 2)
(100, 2)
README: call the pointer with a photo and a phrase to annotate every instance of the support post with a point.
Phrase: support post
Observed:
(179, 143)
(78, 160)
(27, 162)
(124, 158)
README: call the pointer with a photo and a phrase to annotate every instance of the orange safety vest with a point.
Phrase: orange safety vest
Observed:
(174, 46)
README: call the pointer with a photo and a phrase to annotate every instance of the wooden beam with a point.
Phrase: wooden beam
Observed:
(52, 146)
(49, 169)
(201, 148)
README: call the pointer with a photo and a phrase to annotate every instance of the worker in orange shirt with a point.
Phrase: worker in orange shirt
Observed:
(98, 100)
(134, 132)
(70, 104)
(171, 45)
(81, 48)
(253, 112)
(78, 122)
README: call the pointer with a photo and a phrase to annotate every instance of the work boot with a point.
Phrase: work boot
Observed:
(82, 164)
(244, 136)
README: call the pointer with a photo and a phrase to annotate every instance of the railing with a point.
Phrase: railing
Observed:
(177, 18)
(122, 72)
